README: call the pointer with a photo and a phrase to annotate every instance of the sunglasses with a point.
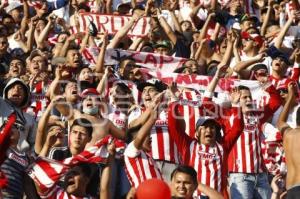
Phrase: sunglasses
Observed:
(261, 74)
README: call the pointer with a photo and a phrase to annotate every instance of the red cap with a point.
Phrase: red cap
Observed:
(255, 37)
(89, 91)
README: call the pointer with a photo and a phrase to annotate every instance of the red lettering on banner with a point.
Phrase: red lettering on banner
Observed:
(226, 84)
(100, 23)
(202, 82)
(165, 59)
(183, 79)
(150, 59)
(83, 21)
(113, 25)
(136, 57)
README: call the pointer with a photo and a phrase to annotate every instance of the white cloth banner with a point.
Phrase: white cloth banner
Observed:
(164, 64)
(113, 23)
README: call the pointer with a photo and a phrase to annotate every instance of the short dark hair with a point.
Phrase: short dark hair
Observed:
(298, 117)
(84, 123)
(187, 170)
(241, 87)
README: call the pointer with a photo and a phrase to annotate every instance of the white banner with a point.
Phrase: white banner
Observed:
(165, 64)
(113, 23)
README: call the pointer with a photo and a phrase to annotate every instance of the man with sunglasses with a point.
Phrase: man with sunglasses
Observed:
(282, 88)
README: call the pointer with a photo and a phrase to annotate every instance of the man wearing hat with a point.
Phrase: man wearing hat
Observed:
(163, 47)
(282, 88)
(16, 96)
(279, 70)
(208, 151)
(14, 9)
(163, 148)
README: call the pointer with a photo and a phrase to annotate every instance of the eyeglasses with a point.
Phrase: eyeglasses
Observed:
(283, 91)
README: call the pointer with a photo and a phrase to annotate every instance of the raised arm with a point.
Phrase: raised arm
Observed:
(281, 123)
(241, 66)
(210, 192)
(124, 30)
(100, 60)
(106, 177)
(144, 131)
(166, 27)
(279, 39)
(41, 129)
(176, 128)
(44, 34)
(267, 18)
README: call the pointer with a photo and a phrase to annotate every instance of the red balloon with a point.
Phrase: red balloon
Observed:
(153, 189)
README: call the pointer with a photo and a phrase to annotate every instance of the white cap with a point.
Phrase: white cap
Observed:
(13, 5)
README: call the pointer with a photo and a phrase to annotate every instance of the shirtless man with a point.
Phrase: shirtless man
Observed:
(90, 110)
(291, 145)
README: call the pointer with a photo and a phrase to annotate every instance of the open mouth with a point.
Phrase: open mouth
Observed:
(74, 92)
(208, 136)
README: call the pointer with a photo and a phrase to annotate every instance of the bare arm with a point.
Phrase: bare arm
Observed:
(144, 131)
(282, 33)
(242, 65)
(205, 27)
(105, 178)
(166, 27)
(267, 18)
(100, 59)
(281, 123)
(122, 32)
(210, 192)
(44, 34)
(41, 129)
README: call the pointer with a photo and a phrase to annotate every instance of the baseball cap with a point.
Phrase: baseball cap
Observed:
(13, 5)
(255, 37)
(89, 91)
(247, 17)
(35, 53)
(160, 86)
(207, 121)
(163, 44)
(123, 3)
(58, 60)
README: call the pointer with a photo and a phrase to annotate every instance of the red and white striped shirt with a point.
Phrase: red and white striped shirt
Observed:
(272, 150)
(246, 157)
(163, 146)
(208, 161)
(190, 102)
(139, 166)
(39, 101)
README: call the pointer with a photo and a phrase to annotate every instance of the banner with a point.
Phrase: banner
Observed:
(113, 23)
(164, 64)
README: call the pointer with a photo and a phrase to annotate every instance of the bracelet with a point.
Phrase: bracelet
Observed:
(276, 193)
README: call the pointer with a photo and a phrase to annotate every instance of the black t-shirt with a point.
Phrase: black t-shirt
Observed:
(181, 50)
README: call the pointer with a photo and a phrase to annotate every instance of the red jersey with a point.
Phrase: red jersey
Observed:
(163, 146)
(190, 102)
(246, 156)
(208, 161)
(139, 166)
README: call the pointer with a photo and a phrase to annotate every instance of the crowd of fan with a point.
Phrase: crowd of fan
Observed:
(76, 128)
